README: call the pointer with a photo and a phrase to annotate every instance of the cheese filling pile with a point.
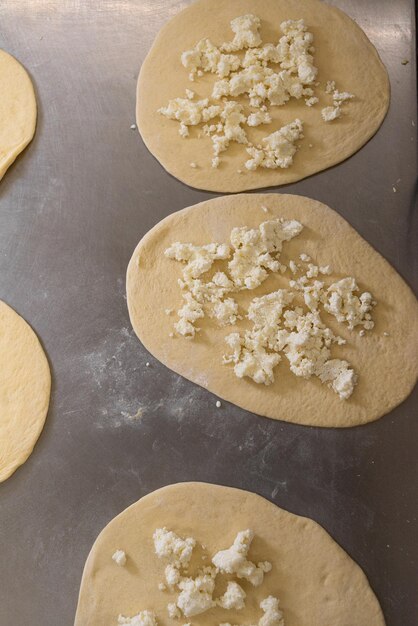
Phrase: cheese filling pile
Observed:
(250, 74)
(194, 595)
(286, 322)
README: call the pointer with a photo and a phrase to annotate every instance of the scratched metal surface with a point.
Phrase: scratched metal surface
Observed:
(72, 209)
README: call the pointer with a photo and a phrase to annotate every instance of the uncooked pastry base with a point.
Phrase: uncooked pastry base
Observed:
(25, 384)
(315, 580)
(17, 110)
(342, 53)
(387, 365)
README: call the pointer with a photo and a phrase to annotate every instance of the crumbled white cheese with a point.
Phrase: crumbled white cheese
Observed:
(278, 149)
(198, 259)
(347, 307)
(196, 593)
(251, 359)
(193, 164)
(311, 101)
(330, 113)
(260, 117)
(206, 57)
(341, 96)
(189, 313)
(144, 618)
(218, 404)
(119, 557)
(341, 378)
(272, 614)
(226, 312)
(189, 113)
(330, 86)
(255, 251)
(230, 128)
(168, 545)
(234, 559)
(246, 33)
(277, 328)
(233, 598)
(173, 610)
(172, 575)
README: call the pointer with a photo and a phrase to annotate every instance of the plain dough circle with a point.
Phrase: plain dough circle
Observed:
(387, 365)
(17, 110)
(315, 580)
(25, 384)
(343, 53)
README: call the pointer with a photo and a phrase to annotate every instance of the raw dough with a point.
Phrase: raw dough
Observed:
(25, 383)
(17, 110)
(152, 287)
(342, 53)
(316, 581)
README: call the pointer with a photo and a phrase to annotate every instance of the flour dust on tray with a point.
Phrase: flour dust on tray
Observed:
(235, 96)
(279, 306)
(195, 563)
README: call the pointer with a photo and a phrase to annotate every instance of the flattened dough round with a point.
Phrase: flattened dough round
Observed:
(342, 53)
(387, 366)
(17, 110)
(315, 580)
(25, 384)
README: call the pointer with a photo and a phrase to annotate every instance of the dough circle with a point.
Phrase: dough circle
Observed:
(25, 384)
(342, 53)
(152, 288)
(17, 110)
(315, 580)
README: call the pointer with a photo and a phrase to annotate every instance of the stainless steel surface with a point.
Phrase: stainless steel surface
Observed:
(72, 209)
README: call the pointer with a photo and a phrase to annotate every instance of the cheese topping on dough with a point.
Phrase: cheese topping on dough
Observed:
(267, 75)
(195, 594)
(286, 322)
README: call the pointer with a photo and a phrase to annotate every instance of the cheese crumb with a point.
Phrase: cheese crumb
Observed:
(246, 33)
(278, 149)
(311, 101)
(233, 598)
(331, 113)
(144, 618)
(272, 614)
(345, 306)
(218, 404)
(196, 593)
(260, 117)
(234, 559)
(170, 546)
(119, 557)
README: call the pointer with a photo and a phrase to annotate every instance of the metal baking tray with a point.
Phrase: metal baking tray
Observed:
(72, 209)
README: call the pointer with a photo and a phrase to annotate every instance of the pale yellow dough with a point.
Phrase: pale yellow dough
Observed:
(17, 110)
(25, 383)
(316, 581)
(152, 288)
(342, 53)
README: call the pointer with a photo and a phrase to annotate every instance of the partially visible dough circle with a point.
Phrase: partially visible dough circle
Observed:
(316, 581)
(387, 365)
(17, 110)
(25, 384)
(342, 53)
